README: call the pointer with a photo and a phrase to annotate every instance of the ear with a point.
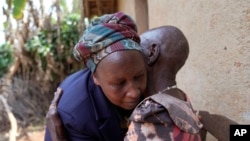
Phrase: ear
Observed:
(154, 52)
(96, 81)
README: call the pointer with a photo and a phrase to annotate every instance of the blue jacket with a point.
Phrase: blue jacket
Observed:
(85, 111)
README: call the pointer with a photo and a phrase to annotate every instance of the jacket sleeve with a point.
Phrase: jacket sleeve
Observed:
(79, 129)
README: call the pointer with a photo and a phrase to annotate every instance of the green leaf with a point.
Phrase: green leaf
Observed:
(17, 14)
(18, 7)
(6, 58)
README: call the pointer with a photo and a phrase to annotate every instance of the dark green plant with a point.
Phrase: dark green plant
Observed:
(47, 42)
(6, 58)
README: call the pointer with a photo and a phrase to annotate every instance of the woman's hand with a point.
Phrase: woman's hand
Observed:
(53, 120)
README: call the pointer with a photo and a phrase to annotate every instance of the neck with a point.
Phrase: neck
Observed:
(158, 80)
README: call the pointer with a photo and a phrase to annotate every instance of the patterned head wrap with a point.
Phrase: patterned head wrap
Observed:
(105, 35)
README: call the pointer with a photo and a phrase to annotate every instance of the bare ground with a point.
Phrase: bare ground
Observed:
(31, 135)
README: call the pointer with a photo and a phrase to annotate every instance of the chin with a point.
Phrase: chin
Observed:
(130, 106)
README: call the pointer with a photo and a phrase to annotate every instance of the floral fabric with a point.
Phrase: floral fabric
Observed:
(162, 117)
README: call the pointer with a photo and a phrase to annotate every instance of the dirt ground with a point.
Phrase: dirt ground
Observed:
(39, 136)
(31, 135)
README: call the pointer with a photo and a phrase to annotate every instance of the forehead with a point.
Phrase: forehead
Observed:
(127, 61)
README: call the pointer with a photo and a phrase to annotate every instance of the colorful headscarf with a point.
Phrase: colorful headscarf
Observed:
(105, 35)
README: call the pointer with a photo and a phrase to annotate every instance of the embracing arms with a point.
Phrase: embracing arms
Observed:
(216, 125)
(53, 121)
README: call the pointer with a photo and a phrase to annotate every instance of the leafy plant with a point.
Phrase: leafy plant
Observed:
(18, 7)
(6, 58)
(47, 42)
(43, 45)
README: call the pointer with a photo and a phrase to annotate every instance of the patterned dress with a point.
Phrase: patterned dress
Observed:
(162, 117)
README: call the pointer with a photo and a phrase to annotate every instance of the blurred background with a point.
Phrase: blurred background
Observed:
(37, 37)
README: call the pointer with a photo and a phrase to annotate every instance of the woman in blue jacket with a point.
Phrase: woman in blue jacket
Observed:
(97, 100)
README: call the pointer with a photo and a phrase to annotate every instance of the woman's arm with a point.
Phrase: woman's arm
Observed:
(57, 131)
(217, 125)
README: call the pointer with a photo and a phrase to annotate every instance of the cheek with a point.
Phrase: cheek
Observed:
(115, 96)
(143, 83)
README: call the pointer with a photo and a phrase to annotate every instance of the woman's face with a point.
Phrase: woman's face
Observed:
(122, 77)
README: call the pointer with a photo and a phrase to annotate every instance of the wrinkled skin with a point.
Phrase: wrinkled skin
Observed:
(123, 88)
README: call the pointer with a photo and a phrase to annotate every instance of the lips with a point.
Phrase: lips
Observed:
(134, 100)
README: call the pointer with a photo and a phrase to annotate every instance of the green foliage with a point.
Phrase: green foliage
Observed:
(6, 58)
(18, 7)
(47, 42)
(69, 31)
(64, 6)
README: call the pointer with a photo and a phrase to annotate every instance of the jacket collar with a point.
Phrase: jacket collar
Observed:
(101, 104)
(104, 113)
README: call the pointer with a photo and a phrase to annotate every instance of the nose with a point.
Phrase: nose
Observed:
(133, 91)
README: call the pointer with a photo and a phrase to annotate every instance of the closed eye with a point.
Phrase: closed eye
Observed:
(119, 83)
(139, 76)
